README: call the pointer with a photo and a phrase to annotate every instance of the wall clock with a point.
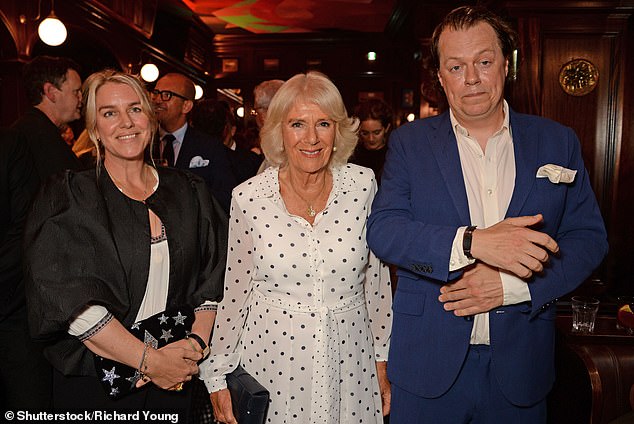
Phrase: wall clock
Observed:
(578, 77)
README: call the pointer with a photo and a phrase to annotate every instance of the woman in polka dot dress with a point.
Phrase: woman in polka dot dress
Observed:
(306, 308)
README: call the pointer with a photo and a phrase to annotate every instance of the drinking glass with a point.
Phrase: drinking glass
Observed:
(625, 314)
(584, 314)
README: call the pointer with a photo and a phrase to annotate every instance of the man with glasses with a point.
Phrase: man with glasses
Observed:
(182, 146)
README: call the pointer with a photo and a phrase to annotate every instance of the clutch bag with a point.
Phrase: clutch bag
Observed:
(249, 398)
(166, 327)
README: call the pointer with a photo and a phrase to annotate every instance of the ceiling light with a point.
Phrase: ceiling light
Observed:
(51, 30)
(149, 72)
(410, 117)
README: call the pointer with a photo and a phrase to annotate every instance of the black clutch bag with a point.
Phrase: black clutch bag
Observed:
(156, 331)
(249, 398)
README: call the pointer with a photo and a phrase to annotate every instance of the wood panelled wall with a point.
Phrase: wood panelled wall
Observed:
(342, 57)
(552, 33)
(600, 32)
(102, 33)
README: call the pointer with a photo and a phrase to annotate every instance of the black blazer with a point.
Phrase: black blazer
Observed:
(46, 146)
(18, 183)
(31, 151)
(207, 157)
(87, 243)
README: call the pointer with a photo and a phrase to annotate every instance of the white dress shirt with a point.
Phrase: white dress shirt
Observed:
(489, 179)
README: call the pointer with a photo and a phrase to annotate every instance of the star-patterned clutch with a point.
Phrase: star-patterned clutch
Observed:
(156, 331)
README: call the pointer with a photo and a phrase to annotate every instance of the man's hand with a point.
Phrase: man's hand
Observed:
(478, 290)
(511, 246)
(384, 386)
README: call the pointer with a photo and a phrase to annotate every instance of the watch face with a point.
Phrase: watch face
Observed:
(578, 77)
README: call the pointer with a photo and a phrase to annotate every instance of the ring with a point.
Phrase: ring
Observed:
(179, 387)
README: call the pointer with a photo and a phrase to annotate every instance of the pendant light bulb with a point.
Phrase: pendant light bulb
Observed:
(52, 31)
(149, 72)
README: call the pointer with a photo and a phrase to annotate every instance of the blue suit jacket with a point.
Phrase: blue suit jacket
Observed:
(421, 203)
(215, 167)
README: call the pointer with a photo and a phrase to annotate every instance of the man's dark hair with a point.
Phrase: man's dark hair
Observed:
(466, 17)
(43, 69)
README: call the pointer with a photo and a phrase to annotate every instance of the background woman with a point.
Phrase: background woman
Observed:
(109, 247)
(307, 305)
(376, 121)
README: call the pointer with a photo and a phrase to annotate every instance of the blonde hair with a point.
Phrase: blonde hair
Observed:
(97, 80)
(314, 88)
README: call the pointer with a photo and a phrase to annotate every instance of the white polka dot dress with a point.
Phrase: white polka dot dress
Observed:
(307, 308)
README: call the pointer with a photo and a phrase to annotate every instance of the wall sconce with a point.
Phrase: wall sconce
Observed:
(371, 56)
(514, 65)
(149, 72)
(51, 30)
(199, 92)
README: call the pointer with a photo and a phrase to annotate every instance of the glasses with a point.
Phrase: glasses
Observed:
(166, 95)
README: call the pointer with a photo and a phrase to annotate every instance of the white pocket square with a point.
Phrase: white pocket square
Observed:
(198, 162)
(556, 174)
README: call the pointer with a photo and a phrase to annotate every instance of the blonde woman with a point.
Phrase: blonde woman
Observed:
(307, 305)
(111, 246)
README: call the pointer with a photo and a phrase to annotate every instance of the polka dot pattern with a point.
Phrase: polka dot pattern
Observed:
(307, 308)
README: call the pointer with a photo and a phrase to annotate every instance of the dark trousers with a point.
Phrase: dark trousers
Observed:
(25, 375)
(475, 398)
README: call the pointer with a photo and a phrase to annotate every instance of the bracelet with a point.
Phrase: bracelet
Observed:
(146, 355)
(204, 349)
(467, 238)
(143, 363)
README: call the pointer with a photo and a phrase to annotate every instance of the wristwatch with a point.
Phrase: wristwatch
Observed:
(201, 343)
(466, 241)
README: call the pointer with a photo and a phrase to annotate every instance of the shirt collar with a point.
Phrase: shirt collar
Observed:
(268, 184)
(459, 129)
(179, 134)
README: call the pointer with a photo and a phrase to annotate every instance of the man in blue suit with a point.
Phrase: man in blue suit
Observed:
(490, 216)
(184, 147)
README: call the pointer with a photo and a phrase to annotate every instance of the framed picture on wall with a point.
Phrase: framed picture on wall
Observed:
(271, 64)
(407, 98)
(229, 65)
(367, 95)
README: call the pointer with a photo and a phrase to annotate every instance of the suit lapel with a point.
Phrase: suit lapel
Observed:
(184, 155)
(445, 149)
(526, 148)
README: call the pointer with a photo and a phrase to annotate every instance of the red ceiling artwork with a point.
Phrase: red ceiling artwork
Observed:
(284, 16)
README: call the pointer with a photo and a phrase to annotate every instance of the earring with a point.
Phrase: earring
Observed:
(334, 148)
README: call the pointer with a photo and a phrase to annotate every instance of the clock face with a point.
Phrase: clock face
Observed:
(578, 77)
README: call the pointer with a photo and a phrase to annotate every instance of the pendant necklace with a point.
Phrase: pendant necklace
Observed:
(310, 210)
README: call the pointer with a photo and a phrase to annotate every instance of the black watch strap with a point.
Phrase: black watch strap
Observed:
(467, 238)
(201, 343)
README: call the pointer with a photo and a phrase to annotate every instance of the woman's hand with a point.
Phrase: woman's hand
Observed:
(171, 365)
(384, 387)
(221, 402)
